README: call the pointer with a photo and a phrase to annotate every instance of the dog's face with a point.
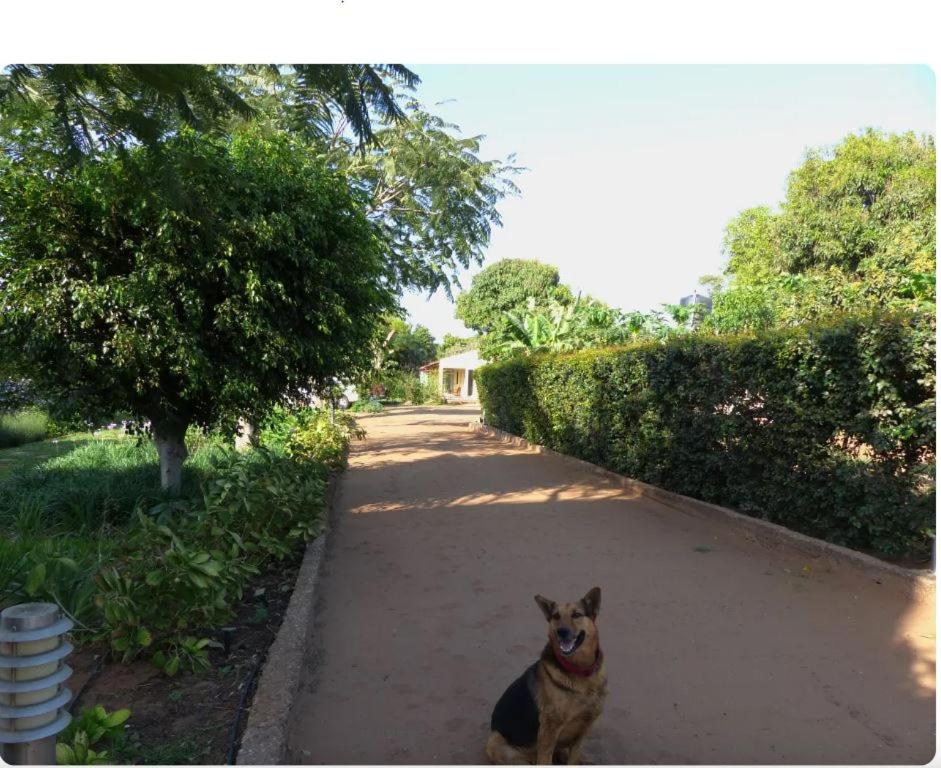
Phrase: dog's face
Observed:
(572, 624)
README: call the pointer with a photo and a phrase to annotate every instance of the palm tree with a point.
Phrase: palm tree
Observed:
(92, 106)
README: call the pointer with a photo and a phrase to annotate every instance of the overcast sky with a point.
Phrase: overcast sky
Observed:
(635, 170)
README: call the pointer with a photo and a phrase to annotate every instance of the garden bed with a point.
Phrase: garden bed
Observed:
(176, 599)
(189, 719)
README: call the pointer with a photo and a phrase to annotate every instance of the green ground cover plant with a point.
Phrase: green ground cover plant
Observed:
(829, 430)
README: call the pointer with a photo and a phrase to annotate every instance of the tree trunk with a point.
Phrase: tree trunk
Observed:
(245, 436)
(171, 448)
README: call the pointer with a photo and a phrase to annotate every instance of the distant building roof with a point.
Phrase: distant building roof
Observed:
(466, 359)
(696, 298)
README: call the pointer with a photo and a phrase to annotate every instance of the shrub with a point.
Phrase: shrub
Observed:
(23, 426)
(430, 391)
(406, 387)
(185, 562)
(94, 726)
(310, 434)
(829, 430)
(366, 406)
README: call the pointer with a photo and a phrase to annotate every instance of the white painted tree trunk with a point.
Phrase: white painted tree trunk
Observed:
(171, 448)
(245, 437)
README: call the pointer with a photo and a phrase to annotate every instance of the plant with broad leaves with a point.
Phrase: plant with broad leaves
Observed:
(189, 654)
(92, 727)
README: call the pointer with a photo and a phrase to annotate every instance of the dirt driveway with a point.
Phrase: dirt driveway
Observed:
(719, 650)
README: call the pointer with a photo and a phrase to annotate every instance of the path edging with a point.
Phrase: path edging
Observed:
(264, 741)
(919, 584)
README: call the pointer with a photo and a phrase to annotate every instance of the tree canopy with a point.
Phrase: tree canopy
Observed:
(96, 106)
(255, 273)
(433, 197)
(505, 286)
(451, 344)
(856, 229)
(410, 346)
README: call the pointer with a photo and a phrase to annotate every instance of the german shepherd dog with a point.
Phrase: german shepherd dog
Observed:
(545, 714)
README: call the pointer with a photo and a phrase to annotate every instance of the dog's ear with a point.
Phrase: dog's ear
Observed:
(592, 602)
(546, 605)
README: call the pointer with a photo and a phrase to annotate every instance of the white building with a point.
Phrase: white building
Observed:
(455, 375)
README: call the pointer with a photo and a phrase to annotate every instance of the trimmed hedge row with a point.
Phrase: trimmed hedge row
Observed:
(829, 430)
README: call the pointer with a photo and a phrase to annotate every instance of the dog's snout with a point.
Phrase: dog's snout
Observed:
(564, 633)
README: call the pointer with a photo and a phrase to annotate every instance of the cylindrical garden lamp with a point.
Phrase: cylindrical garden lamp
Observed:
(32, 675)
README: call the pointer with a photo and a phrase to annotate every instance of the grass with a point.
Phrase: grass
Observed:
(84, 484)
(29, 455)
(21, 427)
(179, 751)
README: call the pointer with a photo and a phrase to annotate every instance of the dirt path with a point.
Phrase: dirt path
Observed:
(718, 650)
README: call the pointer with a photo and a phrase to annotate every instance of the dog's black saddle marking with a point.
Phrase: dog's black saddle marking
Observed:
(516, 715)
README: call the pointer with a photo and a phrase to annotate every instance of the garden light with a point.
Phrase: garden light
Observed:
(32, 673)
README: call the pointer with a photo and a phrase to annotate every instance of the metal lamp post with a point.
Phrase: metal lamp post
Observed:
(32, 673)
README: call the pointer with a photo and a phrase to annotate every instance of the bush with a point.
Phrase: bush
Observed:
(366, 405)
(310, 434)
(829, 430)
(430, 392)
(24, 426)
(406, 387)
(186, 561)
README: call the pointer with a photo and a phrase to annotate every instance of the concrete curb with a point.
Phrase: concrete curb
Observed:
(919, 584)
(264, 741)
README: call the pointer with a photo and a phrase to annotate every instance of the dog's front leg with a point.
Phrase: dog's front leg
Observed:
(574, 756)
(546, 740)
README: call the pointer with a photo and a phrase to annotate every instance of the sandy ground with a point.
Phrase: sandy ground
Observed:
(718, 649)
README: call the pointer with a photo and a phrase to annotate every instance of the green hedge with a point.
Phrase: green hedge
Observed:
(829, 430)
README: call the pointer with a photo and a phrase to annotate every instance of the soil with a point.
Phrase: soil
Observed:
(719, 648)
(188, 719)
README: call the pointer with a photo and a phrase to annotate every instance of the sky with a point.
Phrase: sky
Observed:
(634, 171)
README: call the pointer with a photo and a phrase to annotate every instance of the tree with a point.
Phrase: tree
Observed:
(96, 106)
(426, 187)
(410, 346)
(505, 286)
(856, 230)
(867, 204)
(250, 275)
(451, 344)
(429, 191)
(752, 245)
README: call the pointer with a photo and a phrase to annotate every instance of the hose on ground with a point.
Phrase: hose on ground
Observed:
(247, 687)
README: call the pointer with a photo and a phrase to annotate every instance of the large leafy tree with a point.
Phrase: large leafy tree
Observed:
(865, 206)
(857, 228)
(407, 347)
(507, 286)
(432, 195)
(425, 185)
(249, 274)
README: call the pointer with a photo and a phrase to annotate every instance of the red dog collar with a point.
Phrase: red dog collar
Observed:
(574, 669)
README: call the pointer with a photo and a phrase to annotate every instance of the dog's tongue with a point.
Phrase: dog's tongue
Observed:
(567, 646)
